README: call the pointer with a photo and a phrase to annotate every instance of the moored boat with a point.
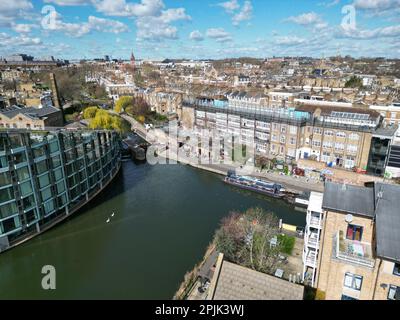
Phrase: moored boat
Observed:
(256, 185)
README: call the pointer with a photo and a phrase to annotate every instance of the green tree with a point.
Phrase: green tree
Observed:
(123, 103)
(90, 112)
(354, 82)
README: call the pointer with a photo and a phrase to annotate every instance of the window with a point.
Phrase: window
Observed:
(5, 179)
(354, 232)
(6, 194)
(41, 167)
(316, 143)
(329, 133)
(19, 158)
(394, 293)
(283, 139)
(293, 130)
(352, 148)
(292, 141)
(274, 138)
(350, 162)
(341, 134)
(326, 157)
(26, 188)
(317, 130)
(327, 145)
(8, 210)
(354, 136)
(8, 225)
(344, 297)
(339, 146)
(44, 181)
(283, 129)
(353, 281)
(23, 174)
(396, 269)
(3, 162)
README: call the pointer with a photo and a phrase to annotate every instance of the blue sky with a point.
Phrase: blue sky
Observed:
(157, 29)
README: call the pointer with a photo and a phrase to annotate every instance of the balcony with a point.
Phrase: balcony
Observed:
(310, 259)
(354, 252)
(314, 222)
(382, 151)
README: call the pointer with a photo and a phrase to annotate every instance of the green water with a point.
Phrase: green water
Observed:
(165, 217)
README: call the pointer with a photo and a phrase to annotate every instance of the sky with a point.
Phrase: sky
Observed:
(199, 29)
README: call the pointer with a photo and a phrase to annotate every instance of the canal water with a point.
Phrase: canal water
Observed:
(165, 217)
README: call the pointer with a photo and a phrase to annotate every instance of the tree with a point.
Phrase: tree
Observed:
(245, 239)
(354, 82)
(90, 112)
(123, 103)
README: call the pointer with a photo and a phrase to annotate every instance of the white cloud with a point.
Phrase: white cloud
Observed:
(245, 13)
(239, 14)
(23, 28)
(18, 41)
(196, 35)
(289, 40)
(122, 8)
(69, 2)
(378, 7)
(219, 35)
(378, 33)
(159, 27)
(305, 19)
(93, 24)
(229, 6)
(11, 10)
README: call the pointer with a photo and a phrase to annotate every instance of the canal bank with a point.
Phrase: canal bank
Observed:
(165, 217)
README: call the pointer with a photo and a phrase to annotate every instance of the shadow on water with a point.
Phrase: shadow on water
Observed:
(165, 216)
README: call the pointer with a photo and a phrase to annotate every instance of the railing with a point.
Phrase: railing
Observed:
(353, 251)
(315, 222)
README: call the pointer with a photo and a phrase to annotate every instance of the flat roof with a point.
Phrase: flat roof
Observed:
(315, 202)
(239, 283)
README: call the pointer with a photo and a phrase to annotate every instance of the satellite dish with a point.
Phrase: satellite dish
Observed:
(349, 218)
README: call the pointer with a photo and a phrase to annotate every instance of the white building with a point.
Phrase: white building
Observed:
(312, 238)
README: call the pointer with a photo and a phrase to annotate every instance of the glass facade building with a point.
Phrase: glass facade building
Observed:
(46, 176)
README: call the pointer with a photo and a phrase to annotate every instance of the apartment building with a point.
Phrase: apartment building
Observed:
(359, 256)
(390, 113)
(337, 136)
(46, 176)
(31, 118)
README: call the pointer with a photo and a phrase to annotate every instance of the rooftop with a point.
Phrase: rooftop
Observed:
(239, 283)
(30, 112)
(387, 221)
(349, 199)
(380, 202)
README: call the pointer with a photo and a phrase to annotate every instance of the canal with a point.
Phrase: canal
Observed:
(165, 217)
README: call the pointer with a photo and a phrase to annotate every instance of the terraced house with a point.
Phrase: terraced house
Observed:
(46, 176)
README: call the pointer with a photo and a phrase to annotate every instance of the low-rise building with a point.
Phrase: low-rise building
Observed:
(359, 257)
(31, 118)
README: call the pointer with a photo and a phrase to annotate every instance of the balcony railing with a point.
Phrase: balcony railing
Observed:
(315, 222)
(353, 251)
